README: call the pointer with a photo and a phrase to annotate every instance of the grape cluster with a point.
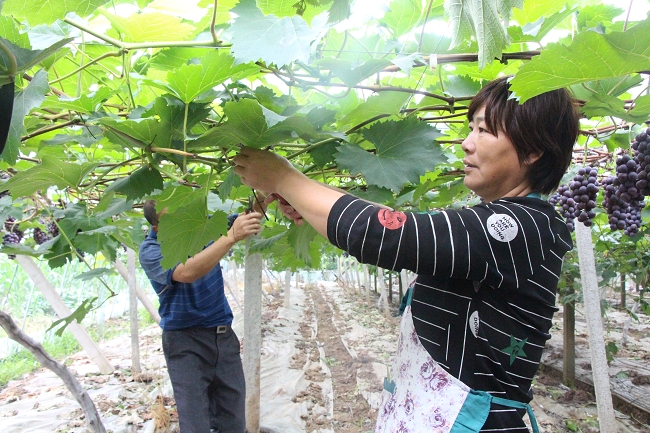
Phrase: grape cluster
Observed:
(641, 147)
(623, 198)
(578, 199)
(13, 235)
(53, 229)
(40, 237)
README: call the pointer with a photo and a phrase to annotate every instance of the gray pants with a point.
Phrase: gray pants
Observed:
(208, 379)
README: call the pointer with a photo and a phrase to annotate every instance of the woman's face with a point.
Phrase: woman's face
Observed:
(492, 168)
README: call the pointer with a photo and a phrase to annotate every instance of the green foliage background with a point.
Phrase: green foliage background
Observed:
(121, 101)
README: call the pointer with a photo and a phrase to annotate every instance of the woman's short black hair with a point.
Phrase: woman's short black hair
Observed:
(547, 124)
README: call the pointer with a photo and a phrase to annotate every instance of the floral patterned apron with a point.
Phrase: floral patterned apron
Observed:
(421, 397)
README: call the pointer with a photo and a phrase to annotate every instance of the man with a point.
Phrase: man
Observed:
(201, 350)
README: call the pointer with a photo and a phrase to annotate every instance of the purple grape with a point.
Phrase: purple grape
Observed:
(40, 237)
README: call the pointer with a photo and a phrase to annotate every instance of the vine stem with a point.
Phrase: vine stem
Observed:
(85, 65)
(187, 108)
(215, 39)
(310, 148)
(13, 64)
(141, 45)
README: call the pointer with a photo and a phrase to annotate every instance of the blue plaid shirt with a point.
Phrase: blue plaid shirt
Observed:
(202, 303)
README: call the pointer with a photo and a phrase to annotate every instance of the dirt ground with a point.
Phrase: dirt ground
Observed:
(323, 362)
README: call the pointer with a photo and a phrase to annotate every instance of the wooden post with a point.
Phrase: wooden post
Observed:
(252, 335)
(62, 310)
(287, 288)
(623, 292)
(366, 282)
(569, 342)
(146, 302)
(591, 296)
(136, 369)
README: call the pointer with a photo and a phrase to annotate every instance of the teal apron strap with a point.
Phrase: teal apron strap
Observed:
(519, 405)
(409, 296)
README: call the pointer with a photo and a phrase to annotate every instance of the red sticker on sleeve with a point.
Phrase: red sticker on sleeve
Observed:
(391, 219)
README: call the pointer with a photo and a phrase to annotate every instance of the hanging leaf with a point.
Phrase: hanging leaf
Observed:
(482, 19)
(51, 172)
(403, 16)
(189, 81)
(384, 103)
(141, 182)
(300, 238)
(48, 11)
(604, 105)
(591, 56)
(405, 150)
(95, 273)
(253, 125)
(85, 103)
(25, 59)
(339, 11)
(350, 74)
(273, 40)
(150, 27)
(186, 231)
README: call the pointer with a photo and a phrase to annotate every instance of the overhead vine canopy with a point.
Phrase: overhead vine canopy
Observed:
(119, 101)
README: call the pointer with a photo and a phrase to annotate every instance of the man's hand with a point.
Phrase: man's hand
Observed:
(245, 225)
(284, 206)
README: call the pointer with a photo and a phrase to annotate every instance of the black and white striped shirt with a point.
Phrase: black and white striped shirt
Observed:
(485, 293)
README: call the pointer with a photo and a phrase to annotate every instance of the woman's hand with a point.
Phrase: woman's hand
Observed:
(261, 169)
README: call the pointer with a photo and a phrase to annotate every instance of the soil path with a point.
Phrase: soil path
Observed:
(324, 359)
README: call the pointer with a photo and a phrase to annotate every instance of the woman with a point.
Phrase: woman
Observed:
(474, 329)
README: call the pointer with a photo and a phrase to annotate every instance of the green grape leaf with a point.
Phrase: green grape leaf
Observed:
(109, 206)
(405, 150)
(605, 105)
(174, 57)
(138, 184)
(41, 37)
(271, 39)
(136, 133)
(187, 230)
(95, 273)
(279, 8)
(79, 314)
(24, 101)
(324, 154)
(10, 32)
(403, 15)
(48, 11)
(351, 74)
(51, 172)
(229, 182)
(176, 197)
(150, 27)
(300, 238)
(264, 243)
(481, 19)
(97, 241)
(384, 103)
(374, 194)
(253, 125)
(189, 81)
(533, 11)
(339, 11)
(591, 56)
(85, 103)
